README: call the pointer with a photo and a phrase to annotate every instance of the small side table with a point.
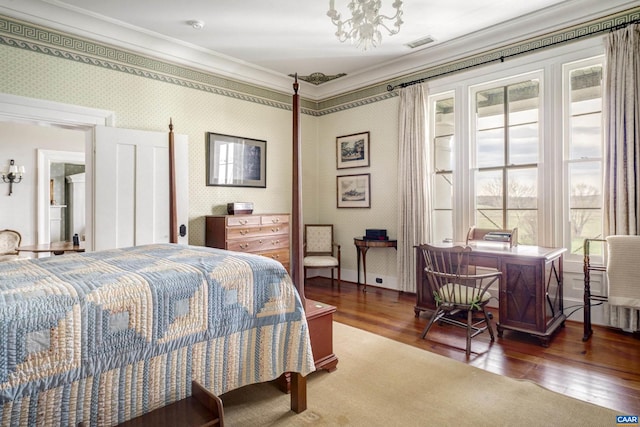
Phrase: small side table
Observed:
(362, 246)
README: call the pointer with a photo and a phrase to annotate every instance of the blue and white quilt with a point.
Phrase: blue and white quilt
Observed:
(103, 337)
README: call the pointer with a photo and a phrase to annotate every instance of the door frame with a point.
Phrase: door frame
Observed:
(49, 113)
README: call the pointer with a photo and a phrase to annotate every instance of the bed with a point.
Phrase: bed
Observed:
(102, 337)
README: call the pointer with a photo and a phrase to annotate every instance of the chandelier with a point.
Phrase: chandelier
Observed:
(365, 25)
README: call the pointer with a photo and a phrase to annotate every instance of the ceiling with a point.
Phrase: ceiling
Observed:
(263, 42)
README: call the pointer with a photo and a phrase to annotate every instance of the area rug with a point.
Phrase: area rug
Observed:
(380, 382)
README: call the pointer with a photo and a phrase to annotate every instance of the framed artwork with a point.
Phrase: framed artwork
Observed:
(354, 191)
(352, 151)
(233, 161)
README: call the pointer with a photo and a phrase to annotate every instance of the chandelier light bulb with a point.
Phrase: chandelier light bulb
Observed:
(364, 28)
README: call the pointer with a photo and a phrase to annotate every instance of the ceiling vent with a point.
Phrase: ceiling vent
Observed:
(420, 42)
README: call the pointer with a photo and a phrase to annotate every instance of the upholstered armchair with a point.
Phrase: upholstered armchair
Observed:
(9, 242)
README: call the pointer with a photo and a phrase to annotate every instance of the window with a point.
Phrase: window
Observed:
(507, 146)
(442, 165)
(521, 145)
(583, 151)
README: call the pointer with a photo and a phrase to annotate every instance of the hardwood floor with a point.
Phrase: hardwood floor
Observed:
(604, 371)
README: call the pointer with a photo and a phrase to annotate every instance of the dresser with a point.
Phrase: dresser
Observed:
(266, 234)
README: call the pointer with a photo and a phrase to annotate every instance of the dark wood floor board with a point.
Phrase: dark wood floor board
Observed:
(604, 371)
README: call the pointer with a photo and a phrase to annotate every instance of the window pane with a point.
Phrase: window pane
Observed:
(585, 185)
(489, 190)
(586, 138)
(523, 102)
(527, 223)
(585, 224)
(490, 148)
(523, 144)
(443, 139)
(490, 108)
(442, 225)
(444, 153)
(444, 118)
(443, 191)
(585, 142)
(489, 218)
(522, 188)
(586, 90)
(585, 203)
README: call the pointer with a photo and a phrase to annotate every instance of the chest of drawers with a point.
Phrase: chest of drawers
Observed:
(266, 235)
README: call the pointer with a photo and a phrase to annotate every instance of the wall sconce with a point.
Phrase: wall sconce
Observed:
(14, 175)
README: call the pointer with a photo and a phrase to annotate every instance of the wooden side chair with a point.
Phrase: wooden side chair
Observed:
(320, 250)
(457, 291)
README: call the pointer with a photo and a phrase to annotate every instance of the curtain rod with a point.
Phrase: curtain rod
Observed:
(391, 88)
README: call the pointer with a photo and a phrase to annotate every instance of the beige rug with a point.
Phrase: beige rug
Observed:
(380, 382)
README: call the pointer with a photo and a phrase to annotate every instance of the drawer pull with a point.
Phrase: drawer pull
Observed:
(243, 221)
(244, 245)
(275, 242)
(275, 220)
(275, 256)
(275, 229)
(244, 232)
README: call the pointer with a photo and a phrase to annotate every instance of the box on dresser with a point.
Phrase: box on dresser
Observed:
(262, 234)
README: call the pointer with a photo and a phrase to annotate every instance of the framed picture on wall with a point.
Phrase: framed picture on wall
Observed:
(233, 161)
(354, 191)
(352, 151)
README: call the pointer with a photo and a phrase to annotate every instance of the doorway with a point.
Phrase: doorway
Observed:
(55, 115)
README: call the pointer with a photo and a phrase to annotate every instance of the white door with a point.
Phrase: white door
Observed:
(131, 188)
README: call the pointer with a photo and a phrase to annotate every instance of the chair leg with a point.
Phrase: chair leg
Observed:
(435, 316)
(469, 330)
(486, 319)
(338, 278)
(332, 277)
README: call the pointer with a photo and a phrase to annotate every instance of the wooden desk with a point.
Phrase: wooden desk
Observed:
(57, 248)
(530, 290)
(362, 246)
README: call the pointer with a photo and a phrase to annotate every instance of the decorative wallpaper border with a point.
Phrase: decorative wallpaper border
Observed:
(27, 36)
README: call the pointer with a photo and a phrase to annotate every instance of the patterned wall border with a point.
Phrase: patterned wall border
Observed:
(38, 39)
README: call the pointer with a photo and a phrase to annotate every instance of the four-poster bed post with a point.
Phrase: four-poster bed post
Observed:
(173, 212)
(319, 315)
(297, 269)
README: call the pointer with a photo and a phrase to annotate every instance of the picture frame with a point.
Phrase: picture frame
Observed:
(353, 191)
(352, 151)
(234, 161)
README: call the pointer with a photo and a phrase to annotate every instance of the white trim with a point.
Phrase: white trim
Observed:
(23, 109)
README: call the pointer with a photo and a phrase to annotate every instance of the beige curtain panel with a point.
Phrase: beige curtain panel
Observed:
(413, 184)
(622, 157)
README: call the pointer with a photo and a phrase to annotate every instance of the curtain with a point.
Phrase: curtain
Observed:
(622, 149)
(413, 192)
(622, 137)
